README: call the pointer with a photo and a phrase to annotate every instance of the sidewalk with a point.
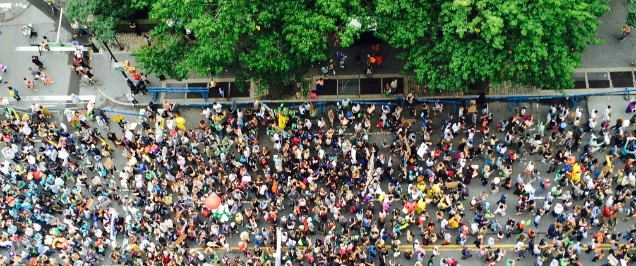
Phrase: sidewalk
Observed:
(114, 87)
(612, 53)
(10, 11)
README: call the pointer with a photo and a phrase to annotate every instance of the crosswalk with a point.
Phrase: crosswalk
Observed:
(68, 48)
(53, 98)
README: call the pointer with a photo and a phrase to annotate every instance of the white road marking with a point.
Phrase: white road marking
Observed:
(5, 6)
(53, 49)
(53, 98)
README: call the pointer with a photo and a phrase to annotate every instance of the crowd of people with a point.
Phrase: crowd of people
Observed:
(338, 197)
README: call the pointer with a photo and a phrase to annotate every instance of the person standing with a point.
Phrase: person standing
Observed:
(394, 85)
(133, 26)
(608, 113)
(45, 43)
(75, 98)
(211, 84)
(325, 72)
(131, 98)
(13, 92)
(144, 79)
(331, 69)
(341, 58)
(3, 68)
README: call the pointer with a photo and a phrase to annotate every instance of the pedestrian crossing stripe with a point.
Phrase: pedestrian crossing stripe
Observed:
(53, 49)
(53, 98)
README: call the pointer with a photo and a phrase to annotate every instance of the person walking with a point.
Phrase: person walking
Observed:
(33, 73)
(131, 98)
(36, 60)
(30, 84)
(625, 31)
(13, 92)
(45, 79)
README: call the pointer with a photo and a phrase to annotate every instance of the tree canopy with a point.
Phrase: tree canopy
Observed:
(103, 13)
(270, 41)
(631, 13)
(451, 44)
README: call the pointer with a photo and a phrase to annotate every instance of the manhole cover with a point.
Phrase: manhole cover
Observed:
(1, 17)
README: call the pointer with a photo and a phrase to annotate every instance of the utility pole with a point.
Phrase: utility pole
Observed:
(112, 56)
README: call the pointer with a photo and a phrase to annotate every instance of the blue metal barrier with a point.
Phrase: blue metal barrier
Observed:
(454, 104)
(155, 90)
(519, 99)
(123, 112)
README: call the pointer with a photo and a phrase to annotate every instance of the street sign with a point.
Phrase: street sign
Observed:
(119, 66)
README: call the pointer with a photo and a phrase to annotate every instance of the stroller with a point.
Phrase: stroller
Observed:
(28, 30)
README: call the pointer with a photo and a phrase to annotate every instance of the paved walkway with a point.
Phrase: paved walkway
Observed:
(612, 53)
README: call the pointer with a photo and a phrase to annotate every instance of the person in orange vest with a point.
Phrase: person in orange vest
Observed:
(370, 60)
(598, 254)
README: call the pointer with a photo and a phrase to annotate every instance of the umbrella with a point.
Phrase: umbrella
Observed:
(118, 118)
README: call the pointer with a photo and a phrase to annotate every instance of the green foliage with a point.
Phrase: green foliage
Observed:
(105, 14)
(631, 13)
(271, 41)
(452, 44)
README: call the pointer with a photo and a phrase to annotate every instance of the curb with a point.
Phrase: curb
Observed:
(99, 88)
(101, 91)
(17, 14)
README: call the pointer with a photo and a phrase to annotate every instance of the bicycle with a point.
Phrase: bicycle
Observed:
(85, 81)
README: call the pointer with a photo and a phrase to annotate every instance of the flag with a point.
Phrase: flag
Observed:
(183, 229)
(53, 143)
(90, 203)
(15, 114)
(113, 229)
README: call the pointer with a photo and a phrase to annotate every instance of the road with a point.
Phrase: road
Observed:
(66, 83)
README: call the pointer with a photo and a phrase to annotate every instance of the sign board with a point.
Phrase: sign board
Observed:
(8, 154)
(109, 164)
(180, 239)
(119, 66)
